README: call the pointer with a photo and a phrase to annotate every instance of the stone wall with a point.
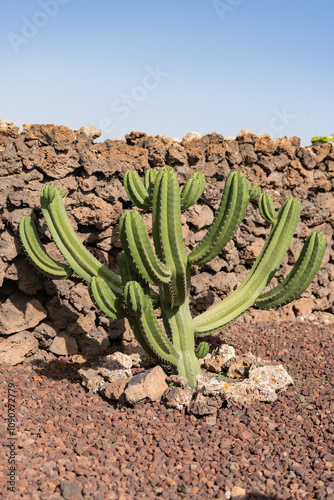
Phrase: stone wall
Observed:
(47, 318)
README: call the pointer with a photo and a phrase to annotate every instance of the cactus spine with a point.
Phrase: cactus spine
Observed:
(166, 265)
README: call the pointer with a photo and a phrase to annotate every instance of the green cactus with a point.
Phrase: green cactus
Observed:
(166, 264)
(202, 350)
(323, 139)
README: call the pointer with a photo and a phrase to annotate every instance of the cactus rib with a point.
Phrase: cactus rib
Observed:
(78, 257)
(264, 268)
(104, 298)
(139, 250)
(192, 189)
(36, 253)
(227, 220)
(136, 190)
(301, 275)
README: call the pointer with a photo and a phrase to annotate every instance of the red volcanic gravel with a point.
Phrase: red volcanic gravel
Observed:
(71, 444)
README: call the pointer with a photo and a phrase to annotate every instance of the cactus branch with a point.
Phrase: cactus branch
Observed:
(136, 190)
(301, 275)
(229, 309)
(227, 220)
(78, 257)
(104, 298)
(139, 251)
(36, 253)
(266, 207)
(192, 189)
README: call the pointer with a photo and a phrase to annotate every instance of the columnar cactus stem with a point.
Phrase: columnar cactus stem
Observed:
(167, 265)
(167, 235)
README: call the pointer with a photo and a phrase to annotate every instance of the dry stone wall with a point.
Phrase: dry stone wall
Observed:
(58, 317)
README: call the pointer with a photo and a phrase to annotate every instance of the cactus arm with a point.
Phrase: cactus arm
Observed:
(227, 220)
(202, 350)
(139, 250)
(136, 190)
(192, 190)
(128, 274)
(150, 177)
(167, 234)
(151, 336)
(301, 275)
(104, 298)
(229, 309)
(36, 253)
(254, 191)
(78, 257)
(266, 207)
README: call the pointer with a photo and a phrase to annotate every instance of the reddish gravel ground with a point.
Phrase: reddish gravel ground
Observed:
(71, 444)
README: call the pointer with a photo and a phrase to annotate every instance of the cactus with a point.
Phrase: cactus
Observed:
(323, 139)
(166, 264)
(202, 350)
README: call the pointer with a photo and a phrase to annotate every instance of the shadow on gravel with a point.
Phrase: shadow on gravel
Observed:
(253, 495)
(59, 369)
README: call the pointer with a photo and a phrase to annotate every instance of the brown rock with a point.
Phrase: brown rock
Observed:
(57, 165)
(87, 133)
(266, 144)
(177, 397)
(176, 155)
(91, 379)
(303, 307)
(16, 348)
(274, 376)
(45, 333)
(239, 365)
(288, 145)
(117, 159)
(177, 381)
(216, 362)
(115, 390)
(60, 137)
(156, 150)
(253, 250)
(8, 247)
(18, 313)
(9, 129)
(238, 493)
(205, 404)
(248, 392)
(98, 213)
(117, 361)
(200, 216)
(326, 201)
(133, 137)
(308, 158)
(122, 158)
(146, 386)
(64, 345)
(209, 395)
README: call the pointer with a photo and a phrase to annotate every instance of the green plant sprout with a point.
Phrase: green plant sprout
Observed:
(166, 264)
(323, 139)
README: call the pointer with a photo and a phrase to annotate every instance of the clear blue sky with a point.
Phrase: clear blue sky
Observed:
(170, 67)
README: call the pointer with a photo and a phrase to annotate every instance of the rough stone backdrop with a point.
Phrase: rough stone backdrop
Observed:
(41, 319)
